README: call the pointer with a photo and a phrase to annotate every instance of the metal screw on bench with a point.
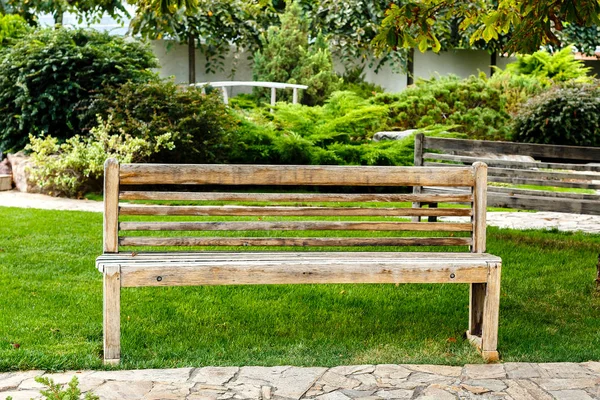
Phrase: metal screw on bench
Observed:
(159, 278)
(452, 276)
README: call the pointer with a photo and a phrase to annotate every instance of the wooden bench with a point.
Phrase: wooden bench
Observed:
(559, 167)
(268, 227)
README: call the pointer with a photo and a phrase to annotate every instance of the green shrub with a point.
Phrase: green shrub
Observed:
(287, 57)
(200, 125)
(12, 27)
(49, 76)
(473, 106)
(354, 81)
(338, 132)
(550, 68)
(516, 89)
(77, 166)
(562, 115)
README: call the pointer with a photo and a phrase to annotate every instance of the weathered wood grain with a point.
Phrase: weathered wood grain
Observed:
(579, 153)
(476, 306)
(418, 162)
(112, 314)
(566, 205)
(127, 209)
(283, 256)
(489, 336)
(479, 208)
(292, 197)
(296, 226)
(299, 272)
(338, 242)
(495, 163)
(111, 206)
(297, 175)
(551, 176)
(540, 182)
(559, 202)
(542, 193)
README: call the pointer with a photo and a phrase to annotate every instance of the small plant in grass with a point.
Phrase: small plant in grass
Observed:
(56, 391)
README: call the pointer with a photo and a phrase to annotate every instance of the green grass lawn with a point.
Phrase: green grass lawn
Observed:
(51, 306)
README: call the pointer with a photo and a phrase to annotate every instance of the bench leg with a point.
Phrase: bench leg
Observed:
(112, 314)
(483, 314)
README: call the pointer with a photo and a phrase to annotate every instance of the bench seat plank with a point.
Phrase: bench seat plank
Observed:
(168, 269)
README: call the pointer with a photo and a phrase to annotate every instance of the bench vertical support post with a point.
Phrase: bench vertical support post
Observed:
(491, 307)
(484, 297)
(295, 95)
(112, 274)
(112, 314)
(418, 161)
(111, 206)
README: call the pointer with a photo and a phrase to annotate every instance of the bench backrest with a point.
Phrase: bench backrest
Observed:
(133, 225)
(576, 169)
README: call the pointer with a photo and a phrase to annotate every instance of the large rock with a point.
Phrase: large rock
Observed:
(390, 135)
(5, 167)
(19, 163)
(507, 157)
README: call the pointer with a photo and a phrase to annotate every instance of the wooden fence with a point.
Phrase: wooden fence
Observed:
(559, 167)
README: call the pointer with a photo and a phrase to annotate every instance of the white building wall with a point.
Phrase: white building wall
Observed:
(463, 63)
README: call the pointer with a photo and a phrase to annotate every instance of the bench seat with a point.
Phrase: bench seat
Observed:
(223, 268)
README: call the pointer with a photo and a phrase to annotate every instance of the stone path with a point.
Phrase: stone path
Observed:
(514, 220)
(516, 381)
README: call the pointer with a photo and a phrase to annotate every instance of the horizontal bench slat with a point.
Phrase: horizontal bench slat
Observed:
(341, 242)
(289, 211)
(299, 270)
(213, 174)
(295, 226)
(491, 162)
(174, 256)
(306, 197)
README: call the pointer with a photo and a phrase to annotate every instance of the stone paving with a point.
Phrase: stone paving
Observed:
(514, 220)
(517, 381)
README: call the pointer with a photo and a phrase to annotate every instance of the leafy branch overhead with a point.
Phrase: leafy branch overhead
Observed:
(532, 23)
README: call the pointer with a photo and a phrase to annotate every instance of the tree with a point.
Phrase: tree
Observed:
(212, 26)
(88, 9)
(534, 23)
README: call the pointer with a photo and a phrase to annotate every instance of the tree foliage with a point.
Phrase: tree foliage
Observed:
(12, 27)
(89, 9)
(48, 78)
(533, 23)
(216, 24)
(287, 56)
